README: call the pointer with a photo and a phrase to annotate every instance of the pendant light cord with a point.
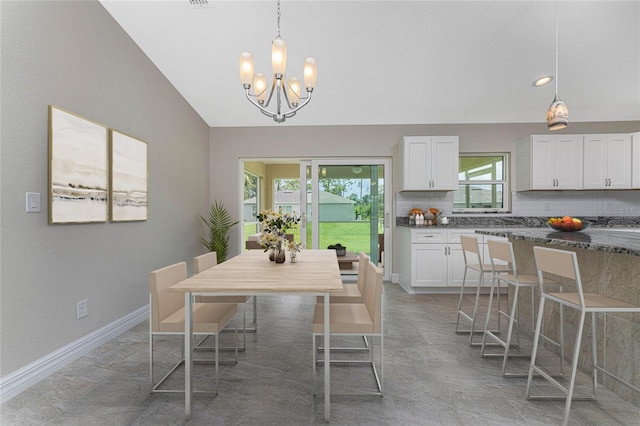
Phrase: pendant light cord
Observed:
(557, 32)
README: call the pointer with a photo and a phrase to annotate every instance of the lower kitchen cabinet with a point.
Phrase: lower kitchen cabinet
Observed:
(432, 259)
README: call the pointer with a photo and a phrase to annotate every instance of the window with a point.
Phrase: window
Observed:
(251, 202)
(483, 183)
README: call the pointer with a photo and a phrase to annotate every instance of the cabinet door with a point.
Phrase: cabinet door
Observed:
(428, 268)
(457, 267)
(568, 162)
(618, 162)
(556, 162)
(607, 162)
(635, 163)
(595, 150)
(444, 163)
(543, 160)
(417, 175)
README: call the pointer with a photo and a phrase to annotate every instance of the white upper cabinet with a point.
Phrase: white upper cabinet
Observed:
(635, 160)
(549, 162)
(607, 161)
(428, 163)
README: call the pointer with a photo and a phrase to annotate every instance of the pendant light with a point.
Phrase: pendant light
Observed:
(557, 114)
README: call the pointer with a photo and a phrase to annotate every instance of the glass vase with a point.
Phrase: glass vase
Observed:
(280, 254)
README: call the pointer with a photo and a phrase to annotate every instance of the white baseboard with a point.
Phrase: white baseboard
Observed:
(21, 379)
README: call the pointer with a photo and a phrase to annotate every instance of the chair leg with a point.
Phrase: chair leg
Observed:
(486, 322)
(464, 280)
(217, 370)
(594, 348)
(475, 311)
(313, 337)
(255, 313)
(150, 360)
(512, 315)
(534, 350)
(574, 368)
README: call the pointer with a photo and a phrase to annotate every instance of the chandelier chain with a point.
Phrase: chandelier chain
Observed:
(278, 19)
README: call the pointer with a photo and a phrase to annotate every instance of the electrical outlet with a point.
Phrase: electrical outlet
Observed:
(82, 309)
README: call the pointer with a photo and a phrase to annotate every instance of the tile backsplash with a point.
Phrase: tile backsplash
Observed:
(537, 203)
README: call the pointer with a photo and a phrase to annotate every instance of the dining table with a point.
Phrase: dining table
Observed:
(315, 273)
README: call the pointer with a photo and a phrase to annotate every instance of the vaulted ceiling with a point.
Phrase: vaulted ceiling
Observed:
(399, 62)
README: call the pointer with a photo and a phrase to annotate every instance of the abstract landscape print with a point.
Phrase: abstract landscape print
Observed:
(78, 168)
(128, 178)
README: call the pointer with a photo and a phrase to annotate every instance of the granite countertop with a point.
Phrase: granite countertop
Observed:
(605, 240)
(523, 222)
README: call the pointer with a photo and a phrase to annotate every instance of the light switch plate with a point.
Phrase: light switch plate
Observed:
(33, 202)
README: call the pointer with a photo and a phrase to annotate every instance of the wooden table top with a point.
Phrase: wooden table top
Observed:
(251, 272)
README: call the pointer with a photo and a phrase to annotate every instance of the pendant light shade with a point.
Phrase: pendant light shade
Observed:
(557, 115)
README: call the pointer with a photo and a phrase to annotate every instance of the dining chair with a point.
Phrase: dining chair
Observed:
(564, 264)
(209, 260)
(473, 262)
(501, 253)
(351, 293)
(167, 317)
(356, 319)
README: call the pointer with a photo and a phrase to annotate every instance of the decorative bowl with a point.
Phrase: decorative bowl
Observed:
(339, 248)
(568, 227)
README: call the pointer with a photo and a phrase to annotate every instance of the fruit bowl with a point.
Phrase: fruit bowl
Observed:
(567, 224)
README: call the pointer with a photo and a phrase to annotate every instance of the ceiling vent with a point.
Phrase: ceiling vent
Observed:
(199, 3)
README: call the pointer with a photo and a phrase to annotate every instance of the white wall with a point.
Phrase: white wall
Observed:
(288, 141)
(74, 55)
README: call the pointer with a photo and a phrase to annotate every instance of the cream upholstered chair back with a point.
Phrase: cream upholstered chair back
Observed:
(470, 245)
(373, 296)
(164, 302)
(363, 261)
(502, 251)
(558, 262)
(204, 262)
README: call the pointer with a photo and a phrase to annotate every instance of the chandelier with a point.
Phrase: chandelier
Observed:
(558, 113)
(283, 89)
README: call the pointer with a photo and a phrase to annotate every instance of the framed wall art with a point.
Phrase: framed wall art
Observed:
(78, 168)
(129, 187)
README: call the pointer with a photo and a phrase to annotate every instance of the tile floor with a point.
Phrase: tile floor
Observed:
(431, 377)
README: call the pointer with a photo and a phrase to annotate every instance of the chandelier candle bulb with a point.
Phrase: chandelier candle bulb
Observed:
(294, 91)
(279, 56)
(246, 68)
(260, 87)
(309, 74)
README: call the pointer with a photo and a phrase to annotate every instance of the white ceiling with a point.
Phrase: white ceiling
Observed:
(399, 62)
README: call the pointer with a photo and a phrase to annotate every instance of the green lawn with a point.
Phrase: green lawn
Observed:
(353, 235)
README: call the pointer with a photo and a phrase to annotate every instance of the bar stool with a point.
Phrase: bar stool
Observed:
(471, 253)
(564, 264)
(500, 253)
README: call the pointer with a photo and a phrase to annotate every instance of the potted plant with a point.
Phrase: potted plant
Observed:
(219, 223)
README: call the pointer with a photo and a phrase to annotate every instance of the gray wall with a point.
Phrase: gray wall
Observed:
(228, 145)
(75, 56)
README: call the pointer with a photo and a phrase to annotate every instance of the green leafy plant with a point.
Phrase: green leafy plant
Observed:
(219, 223)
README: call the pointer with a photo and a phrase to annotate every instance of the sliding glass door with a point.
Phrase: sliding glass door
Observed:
(346, 204)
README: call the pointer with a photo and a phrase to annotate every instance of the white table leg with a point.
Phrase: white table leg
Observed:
(188, 361)
(327, 363)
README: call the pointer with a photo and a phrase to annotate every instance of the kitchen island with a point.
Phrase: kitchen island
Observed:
(609, 263)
